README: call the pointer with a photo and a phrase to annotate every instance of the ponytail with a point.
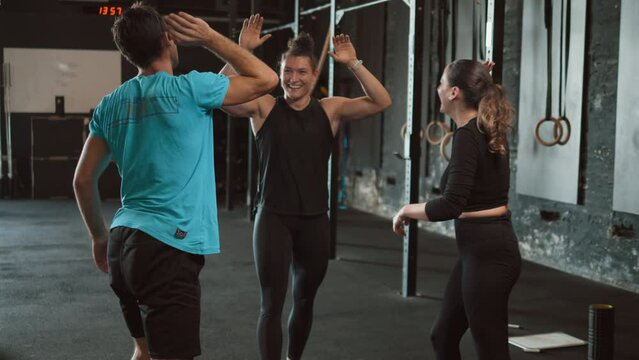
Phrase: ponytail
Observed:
(495, 118)
(494, 110)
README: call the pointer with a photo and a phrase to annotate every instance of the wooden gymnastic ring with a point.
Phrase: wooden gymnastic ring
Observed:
(402, 131)
(568, 132)
(558, 131)
(444, 143)
(441, 125)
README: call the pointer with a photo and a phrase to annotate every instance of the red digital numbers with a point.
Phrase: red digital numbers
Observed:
(110, 10)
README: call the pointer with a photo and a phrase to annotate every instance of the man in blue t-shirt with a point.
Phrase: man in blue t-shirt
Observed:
(158, 129)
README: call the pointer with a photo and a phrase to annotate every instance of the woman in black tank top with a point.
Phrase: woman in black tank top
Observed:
(475, 194)
(294, 135)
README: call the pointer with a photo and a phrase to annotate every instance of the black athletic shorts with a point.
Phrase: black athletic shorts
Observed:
(159, 291)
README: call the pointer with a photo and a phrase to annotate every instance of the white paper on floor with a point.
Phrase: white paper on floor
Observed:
(537, 342)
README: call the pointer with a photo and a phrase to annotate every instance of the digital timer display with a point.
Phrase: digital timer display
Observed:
(110, 10)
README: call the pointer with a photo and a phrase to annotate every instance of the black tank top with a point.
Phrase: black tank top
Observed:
(293, 150)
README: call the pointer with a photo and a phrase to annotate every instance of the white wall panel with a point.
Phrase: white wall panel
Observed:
(549, 172)
(83, 77)
(626, 191)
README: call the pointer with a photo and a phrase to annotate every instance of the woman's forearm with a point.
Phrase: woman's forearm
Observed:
(414, 211)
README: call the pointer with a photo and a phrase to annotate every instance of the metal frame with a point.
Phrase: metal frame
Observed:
(340, 13)
(7, 122)
(412, 147)
(4, 86)
(490, 23)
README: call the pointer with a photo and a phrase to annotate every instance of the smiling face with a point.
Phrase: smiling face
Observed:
(297, 76)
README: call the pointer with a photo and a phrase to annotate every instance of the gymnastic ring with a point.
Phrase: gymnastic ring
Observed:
(402, 131)
(568, 128)
(444, 128)
(444, 143)
(558, 131)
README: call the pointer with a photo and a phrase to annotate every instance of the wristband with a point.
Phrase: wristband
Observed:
(356, 65)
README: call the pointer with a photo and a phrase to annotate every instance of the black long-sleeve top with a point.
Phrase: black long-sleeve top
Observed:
(475, 178)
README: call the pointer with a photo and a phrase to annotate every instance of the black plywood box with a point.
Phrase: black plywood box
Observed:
(53, 177)
(56, 144)
(57, 136)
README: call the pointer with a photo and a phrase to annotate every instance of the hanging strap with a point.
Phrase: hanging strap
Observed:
(557, 128)
(432, 100)
(560, 104)
(453, 35)
(483, 10)
(564, 50)
(548, 23)
(433, 109)
(442, 39)
(475, 32)
(441, 46)
(453, 41)
(478, 49)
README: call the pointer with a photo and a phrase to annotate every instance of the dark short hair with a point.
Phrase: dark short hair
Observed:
(138, 34)
(302, 45)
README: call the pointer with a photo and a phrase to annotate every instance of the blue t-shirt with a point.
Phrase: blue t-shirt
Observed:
(159, 130)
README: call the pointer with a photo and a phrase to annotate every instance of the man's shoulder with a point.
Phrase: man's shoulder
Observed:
(202, 80)
(121, 89)
(194, 74)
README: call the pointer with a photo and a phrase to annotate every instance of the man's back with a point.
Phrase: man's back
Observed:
(159, 131)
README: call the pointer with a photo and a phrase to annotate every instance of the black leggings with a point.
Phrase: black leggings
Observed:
(280, 243)
(477, 292)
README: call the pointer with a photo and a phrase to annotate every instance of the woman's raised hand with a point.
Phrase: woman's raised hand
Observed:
(250, 35)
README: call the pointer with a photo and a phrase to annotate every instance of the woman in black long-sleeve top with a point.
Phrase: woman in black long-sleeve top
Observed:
(475, 194)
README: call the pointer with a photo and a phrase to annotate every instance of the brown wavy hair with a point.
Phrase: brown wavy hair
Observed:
(495, 112)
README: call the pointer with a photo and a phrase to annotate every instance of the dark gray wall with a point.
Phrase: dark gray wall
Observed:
(364, 150)
(589, 239)
(377, 188)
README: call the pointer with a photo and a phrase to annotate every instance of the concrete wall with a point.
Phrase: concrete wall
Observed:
(588, 239)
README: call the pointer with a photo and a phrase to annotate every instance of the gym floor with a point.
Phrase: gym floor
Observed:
(54, 304)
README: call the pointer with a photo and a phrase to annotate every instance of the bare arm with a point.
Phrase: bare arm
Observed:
(254, 77)
(377, 97)
(407, 212)
(250, 40)
(94, 159)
